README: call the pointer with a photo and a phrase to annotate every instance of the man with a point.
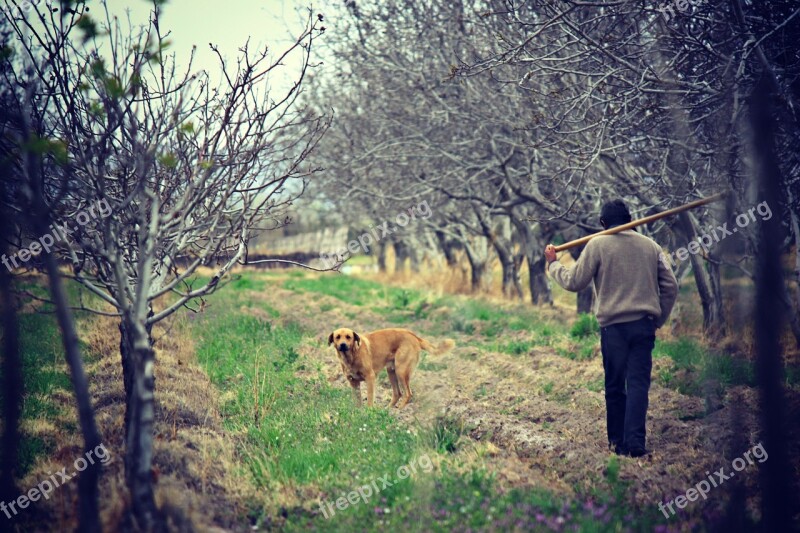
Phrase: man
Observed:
(635, 294)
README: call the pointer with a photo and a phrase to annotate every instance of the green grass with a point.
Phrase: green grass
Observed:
(597, 385)
(516, 347)
(544, 334)
(431, 366)
(580, 350)
(695, 368)
(353, 291)
(361, 260)
(44, 373)
(446, 434)
(399, 307)
(793, 375)
(239, 282)
(693, 364)
(291, 410)
(299, 434)
(462, 325)
(477, 316)
(260, 304)
(298, 430)
(585, 326)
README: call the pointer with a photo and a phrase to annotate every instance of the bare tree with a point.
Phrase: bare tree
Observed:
(649, 102)
(164, 171)
(539, 111)
(777, 505)
(26, 164)
(11, 368)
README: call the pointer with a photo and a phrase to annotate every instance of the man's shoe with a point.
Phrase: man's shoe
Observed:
(637, 452)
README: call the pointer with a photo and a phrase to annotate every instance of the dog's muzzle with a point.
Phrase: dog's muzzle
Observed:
(343, 347)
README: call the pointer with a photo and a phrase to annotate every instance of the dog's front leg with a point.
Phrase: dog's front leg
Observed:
(356, 384)
(370, 388)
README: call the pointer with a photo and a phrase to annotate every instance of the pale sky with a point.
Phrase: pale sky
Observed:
(226, 23)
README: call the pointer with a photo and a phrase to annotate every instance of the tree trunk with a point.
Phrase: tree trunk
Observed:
(477, 263)
(448, 248)
(776, 474)
(401, 253)
(796, 231)
(519, 259)
(88, 511)
(414, 257)
(126, 358)
(537, 279)
(138, 360)
(478, 271)
(499, 235)
(380, 248)
(708, 284)
(534, 254)
(141, 421)
(508, 267)
(12, 384)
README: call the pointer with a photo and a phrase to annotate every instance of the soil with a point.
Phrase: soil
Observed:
(537, 421)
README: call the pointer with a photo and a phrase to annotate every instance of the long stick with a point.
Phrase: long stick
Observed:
(640, 221)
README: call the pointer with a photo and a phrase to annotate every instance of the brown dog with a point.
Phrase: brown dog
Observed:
(363, 356)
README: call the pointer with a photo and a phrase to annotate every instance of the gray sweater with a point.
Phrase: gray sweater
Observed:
(630, 277)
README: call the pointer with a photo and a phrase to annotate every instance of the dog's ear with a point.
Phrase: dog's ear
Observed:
(330, 339)
(356, 338)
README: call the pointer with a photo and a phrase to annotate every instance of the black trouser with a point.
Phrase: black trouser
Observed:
(627, 361)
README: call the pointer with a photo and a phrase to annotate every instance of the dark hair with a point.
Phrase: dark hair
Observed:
(615, 213)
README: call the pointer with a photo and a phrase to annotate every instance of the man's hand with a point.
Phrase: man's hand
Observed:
(550, 253)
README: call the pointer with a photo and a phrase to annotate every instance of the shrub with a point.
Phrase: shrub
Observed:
(585, 326)
(446, 434)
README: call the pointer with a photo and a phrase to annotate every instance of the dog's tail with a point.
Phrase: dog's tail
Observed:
(444, 346)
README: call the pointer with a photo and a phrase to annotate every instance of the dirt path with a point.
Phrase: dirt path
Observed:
(535, 420)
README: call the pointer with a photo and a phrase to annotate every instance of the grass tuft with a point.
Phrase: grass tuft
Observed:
(585, 326)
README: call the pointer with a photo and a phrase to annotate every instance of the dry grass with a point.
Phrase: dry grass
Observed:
(199, 485)
(200, 482)
(534, 420)
(686, 319)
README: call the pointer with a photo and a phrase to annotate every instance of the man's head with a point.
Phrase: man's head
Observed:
(614, 213)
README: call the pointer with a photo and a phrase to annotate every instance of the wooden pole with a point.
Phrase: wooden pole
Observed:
(640, 221)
